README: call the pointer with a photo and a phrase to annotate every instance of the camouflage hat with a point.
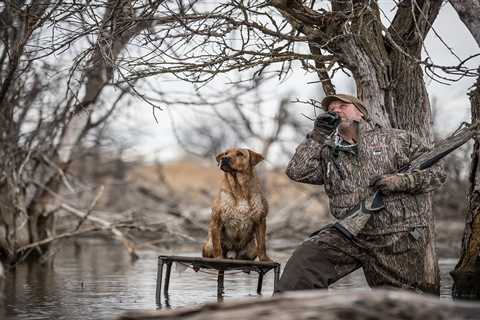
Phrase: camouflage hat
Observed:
(345, 98)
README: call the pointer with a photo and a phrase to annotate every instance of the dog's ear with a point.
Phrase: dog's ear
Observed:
(255, 157)
(219, 157)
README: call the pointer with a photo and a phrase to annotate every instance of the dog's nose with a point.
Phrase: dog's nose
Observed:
(226, 160)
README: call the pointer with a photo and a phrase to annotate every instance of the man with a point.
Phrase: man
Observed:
(395, 249)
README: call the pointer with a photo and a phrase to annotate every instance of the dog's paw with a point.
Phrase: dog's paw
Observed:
(265, 259)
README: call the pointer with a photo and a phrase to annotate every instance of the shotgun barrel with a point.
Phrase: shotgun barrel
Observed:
(358, 217)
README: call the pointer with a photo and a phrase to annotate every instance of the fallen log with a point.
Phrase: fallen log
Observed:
(323, 304)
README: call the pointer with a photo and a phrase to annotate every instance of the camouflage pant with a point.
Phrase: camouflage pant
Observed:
(393, 260)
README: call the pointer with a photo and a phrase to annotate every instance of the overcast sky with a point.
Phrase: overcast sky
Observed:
(157, 141)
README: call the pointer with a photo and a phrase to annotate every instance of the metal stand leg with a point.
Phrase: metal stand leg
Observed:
(159, 282)
(220, 284)
(260, 282)
(276, 278)
(167, 278)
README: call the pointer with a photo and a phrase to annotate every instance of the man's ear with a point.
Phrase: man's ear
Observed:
(254, 157)
(219, 157)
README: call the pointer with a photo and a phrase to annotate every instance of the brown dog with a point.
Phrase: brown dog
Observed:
(239, 211)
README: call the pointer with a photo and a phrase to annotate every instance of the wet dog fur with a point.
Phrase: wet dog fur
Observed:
(238, 223)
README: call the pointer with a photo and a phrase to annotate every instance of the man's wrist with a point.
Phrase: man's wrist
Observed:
(317, 136)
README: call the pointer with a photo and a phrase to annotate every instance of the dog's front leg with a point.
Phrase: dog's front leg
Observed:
(260, 234)
(215, 227)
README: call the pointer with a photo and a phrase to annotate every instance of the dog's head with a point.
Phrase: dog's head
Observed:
(238, 160)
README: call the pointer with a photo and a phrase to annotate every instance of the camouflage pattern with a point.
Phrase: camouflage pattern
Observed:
(395, 248)
(346, 176)
(392, 260)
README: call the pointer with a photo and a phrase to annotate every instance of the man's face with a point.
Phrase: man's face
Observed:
(347, 111)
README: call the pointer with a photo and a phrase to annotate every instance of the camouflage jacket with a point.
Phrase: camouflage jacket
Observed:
(346, 176)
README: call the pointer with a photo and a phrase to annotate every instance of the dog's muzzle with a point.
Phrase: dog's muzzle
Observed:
(225, 164)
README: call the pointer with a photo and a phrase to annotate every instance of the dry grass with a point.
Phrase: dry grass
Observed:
(190, 178)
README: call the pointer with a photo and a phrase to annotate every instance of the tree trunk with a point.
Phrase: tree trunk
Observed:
(466, 275)
(321, 304)
(469, 13)
(412, 111)
(14, 220)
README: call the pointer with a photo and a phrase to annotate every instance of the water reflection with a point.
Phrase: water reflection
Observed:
(98, 280)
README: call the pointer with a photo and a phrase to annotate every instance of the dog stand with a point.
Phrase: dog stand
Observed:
(221, 265)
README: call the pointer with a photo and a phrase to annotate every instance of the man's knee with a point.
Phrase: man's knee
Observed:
(306, 269)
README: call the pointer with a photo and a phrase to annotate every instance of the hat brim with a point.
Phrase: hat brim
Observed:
(329, 99)
(347, 99)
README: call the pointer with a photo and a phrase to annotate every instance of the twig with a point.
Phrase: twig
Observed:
(107, 225)
(60, 172)
(90, 209)
(57, 237)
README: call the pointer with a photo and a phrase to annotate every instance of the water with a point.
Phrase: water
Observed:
(97, 280)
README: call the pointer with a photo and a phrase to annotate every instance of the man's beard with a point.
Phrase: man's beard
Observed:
(347, 123)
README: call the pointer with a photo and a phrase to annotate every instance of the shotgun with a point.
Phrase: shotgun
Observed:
(361, 213)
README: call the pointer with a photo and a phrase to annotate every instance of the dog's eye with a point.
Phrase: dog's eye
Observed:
(239, 154)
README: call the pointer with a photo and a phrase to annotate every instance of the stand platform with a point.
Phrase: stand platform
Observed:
(220, 265)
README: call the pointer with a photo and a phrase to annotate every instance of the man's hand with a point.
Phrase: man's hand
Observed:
(327, 122)
(388, 183)
(324, 125)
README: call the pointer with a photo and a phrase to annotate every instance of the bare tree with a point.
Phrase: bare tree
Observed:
(47, 112)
